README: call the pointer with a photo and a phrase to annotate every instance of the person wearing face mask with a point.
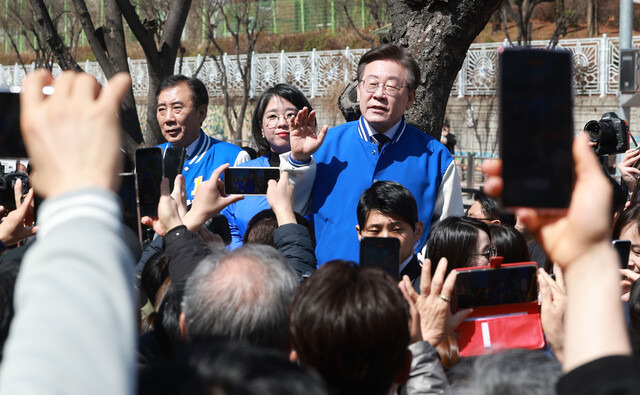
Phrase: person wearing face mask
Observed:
(282, 142)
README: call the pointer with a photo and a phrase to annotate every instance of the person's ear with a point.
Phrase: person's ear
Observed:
(293, 356)
(202, 113)
(417, 234)
(403, 374)
(183, 328)
(359, 234)
(495, 221)
(412, 98)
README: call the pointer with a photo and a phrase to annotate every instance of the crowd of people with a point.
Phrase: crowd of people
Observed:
(282, 306)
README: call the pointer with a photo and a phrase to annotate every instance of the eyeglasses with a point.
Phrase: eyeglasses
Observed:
(491, 252)
(271, 120)
(390, 88)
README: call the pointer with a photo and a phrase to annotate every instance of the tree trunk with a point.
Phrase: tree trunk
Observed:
(592, 18)
(438, 35)
(51, 36)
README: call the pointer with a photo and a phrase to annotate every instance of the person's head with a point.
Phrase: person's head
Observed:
(508, 372)
(181, 109)
(221, 367)
(269, 124)
(387, 81)
(627, 227)
(486, 210)
(350, 325)
(242, 295)
(387, 209)
(262, 225)
(509, 243)
(464, 241)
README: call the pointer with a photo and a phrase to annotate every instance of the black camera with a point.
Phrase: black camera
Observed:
(610, 133)
(7, 183)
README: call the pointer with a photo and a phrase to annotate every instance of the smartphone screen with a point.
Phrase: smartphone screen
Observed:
(173, 163)
(382, 252)
(536, 128)
(623, 247)
(249, 180)
(11, 144)
(149, 176)
(127, 194)
(494, 287)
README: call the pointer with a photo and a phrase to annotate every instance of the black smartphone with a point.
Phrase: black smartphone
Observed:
(149, 176)
(536, 128)
(173, 163)
(129, 200)
(11, 143)
(249, 180)
(623, 247)
(382, 252)
(495, 287)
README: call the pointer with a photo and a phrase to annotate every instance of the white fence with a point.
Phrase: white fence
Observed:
(317, 73)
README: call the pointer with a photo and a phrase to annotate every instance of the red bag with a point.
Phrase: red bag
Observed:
(497, 327)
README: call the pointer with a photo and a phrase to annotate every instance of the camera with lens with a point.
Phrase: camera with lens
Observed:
(7, 183)
(610, 133)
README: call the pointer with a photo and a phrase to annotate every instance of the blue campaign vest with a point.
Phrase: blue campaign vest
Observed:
(348, 163)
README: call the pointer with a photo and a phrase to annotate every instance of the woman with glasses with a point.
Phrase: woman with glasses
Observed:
(284, 129)
(464, 241)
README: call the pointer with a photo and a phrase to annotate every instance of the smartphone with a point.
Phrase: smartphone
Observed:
(249, 180)
(495, 287)
(536, 128)
(623, 248)
(149, 176)
(11, 143)
(382, 252)
(173, 163)
(129, 201)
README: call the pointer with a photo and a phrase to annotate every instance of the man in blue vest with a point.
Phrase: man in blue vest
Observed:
(380, 146)
(181, 110)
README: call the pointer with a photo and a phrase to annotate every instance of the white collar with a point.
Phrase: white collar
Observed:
(391, 133)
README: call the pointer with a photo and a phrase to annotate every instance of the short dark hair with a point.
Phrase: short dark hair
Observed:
(388, 197)
(626, 217)
(396, 54)
(221, 366)
(510, 243)
(199, 93)
(285, 91)
(492, 211)
(454, 238)
(262, 225)
(350, 324)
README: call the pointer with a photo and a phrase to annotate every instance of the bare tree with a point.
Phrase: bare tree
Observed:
(109, 46)
(377, 9)
(522, 17)
(592, 18)
(243, 22)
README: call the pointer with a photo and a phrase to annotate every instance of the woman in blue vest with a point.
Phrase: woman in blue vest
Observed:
(284, 129)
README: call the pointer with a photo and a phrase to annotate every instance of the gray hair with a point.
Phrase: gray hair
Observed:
(243, 295)
(508, 372)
